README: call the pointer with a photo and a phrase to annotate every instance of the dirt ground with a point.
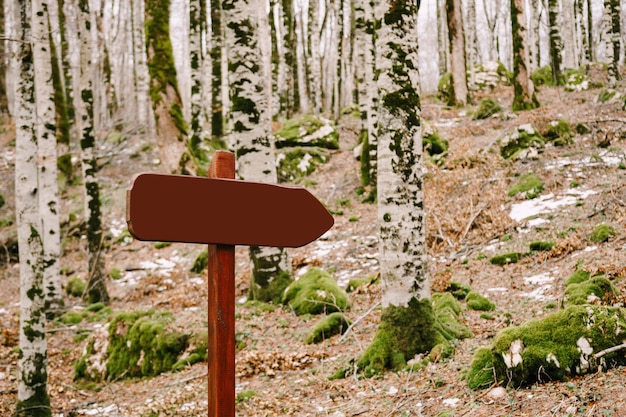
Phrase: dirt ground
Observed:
(468, 221)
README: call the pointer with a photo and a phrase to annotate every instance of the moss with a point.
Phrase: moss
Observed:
(115, 273)
(366, 163)
(506, 258)
(434, 145)
(315, 292)
(559, 133)
(75, 287)
(71, 317)
(458, 290)
(335, 323)
(96, 307)
(296, 163)
(161, 245)
(521, 142)
(422, 326)
(554, 347)
(504, 73)
(356, 283)
(444, 88)
(160, 54)
(602, 233)
(529, 183)
(179, 119)
(543, 76)
(197, 351)
(606, 96)
(578, 276)
(476, 301)
(542, 245)
(577, 293)
(2, 202)
(201, 262)
(307, 130)
(487, 108)
(244, 396)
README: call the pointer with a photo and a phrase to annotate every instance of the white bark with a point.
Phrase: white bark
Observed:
(314, 64)
(145, 116)
(301, 36)
(400, 196)
(457, 51)
(45, 130)
(197, 109)
(33, 358)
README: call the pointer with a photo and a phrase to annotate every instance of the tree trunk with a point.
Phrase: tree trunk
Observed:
(96, 290)
(472, 43)
(217, 120)
(442, 37)
(4, 103)
(252, 139)
(32, 395)
(612, 39)
(47, 154)
(556, 44)
(197, 13)
(285, 59)
(171, 128)
(314, 64)
(301, 59)
(523, 89)
(400, 197)
(458, 68)
(590, 45)
(534, 24)
(141, 76)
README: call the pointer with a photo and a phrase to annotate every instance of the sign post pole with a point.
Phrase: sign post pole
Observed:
(221, 306)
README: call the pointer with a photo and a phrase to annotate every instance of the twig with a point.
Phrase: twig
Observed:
(355, 322)
(609, 350)
(441, 235)
(473, 217)
(185, 380)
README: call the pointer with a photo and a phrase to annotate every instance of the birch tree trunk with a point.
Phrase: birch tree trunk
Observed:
(471, 44)
(524, 97)
(45, 129)
(442, 37)
(556, 44)
(171, 128)
(4, 101)
(141, 76)
(314, 64)
(197, 13)
(346, 81)
(534, 24)
(252, 140)
(458, 68)
(301, 59)
(96, 290)
(285, 59)
(612, 29)
(32, 395)
(217, 121)
(492, 18)
(407, 322)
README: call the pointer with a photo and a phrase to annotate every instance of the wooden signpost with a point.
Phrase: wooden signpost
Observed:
(222, 212)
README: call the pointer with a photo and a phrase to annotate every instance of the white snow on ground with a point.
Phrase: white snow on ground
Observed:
(540, 284)
(547, 203)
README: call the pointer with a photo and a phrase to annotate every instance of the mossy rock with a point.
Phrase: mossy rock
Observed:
(576, 80)
(435, 146)
(356, 283)
(487, 108)
(458, 290)
(554, 347)
(559, 133)
(506, 258)
(327, 327)
(587, 290)
(543, 76)
(476, 301)
(136, 344)
(72, 317)
(528, 183)
(298, 162)
(541, 245)
(444, 88)
(579, 276)
(524, 142)
(315, 292)
(201, 262)
(602, 233)
(75, 287)
(423, 326)
(308, 131)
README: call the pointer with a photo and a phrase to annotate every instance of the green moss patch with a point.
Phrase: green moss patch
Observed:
(434, 145)
(201, 262)
(356, 283)
(298, 162)
(559, 133)
(335, 323)
(315, 292)
(523, 143)
(487, 108)
(422, 326)
(476, 301)
(458, 290)
(307, 130)
(506, 258)
(529, 183)
(75, 287)
(444, 88)
(580, 288)
(554, 347)
(136, 344)
(543, 76)
(541, 245)
(602, 233)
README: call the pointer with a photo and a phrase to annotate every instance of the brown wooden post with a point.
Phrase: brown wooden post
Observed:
(221, 297)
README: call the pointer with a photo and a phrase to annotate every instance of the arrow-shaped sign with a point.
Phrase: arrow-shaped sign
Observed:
(176, 208)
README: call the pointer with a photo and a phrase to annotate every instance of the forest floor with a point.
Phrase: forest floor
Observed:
(469, 219)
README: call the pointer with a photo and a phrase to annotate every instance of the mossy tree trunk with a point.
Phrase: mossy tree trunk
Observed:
(250, 124)
(197, 23)
(32, 395)
(314, 65)
(612, 39)
(171, 128)
(46, 132)
(4, 102)
(459, 95)
(407, 323)
(141, 76)
(96, 290)
(524, 97)
(590, 45)
(217, 120)
(303, 102)
(556, 44)
(283, 26)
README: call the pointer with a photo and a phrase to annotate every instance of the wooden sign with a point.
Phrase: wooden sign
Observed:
(222, 212)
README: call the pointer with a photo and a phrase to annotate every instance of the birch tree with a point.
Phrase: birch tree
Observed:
(217, 119)
(459, 94)
(32, 395)
(313, 64)
(197, 14)
(46, 132)
(4, 102)
(96, 290)
(612, 31)
(141, 76)
(250, 123)
(556, 44)
(407, 322)
(524, 97)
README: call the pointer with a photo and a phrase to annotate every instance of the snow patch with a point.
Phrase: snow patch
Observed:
(547, 203)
